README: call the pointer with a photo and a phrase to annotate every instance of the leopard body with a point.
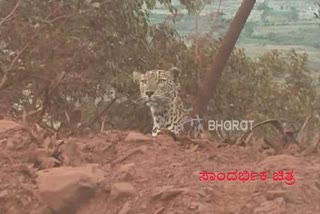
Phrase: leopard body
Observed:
(160, 91)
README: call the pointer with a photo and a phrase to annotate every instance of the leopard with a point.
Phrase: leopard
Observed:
(160, 90)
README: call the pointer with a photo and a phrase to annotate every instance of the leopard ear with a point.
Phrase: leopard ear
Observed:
(136, 76)
(174, 73)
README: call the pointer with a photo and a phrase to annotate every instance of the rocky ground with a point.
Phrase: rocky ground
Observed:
(130, 173)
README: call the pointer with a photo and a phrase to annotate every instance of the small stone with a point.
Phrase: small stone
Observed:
(159, 211)
(273, 194)
(144, 206)
(194, 206)
(65, 189)
(10, 144)
(317, 184)
(127, 172)
(137, 137)
(275, 206)
(167, 193)
(119, 190)
(125, 209)
(4, 194)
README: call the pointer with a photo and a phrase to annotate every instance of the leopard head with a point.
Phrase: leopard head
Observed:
(158, 86)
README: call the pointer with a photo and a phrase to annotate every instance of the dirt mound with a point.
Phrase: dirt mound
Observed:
(128, 172)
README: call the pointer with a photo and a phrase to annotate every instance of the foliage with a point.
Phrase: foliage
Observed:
(277, 85)
(81, 51)
(79, 55)
(263, 6)
(265, 11)
(317, 14)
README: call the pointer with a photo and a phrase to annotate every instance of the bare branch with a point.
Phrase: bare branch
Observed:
(26, 115)
(99, 115)
(6, 71)
(11, 13)
(4, 78)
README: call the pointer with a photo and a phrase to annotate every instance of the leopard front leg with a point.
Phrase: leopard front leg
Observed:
(155, 130)
(158, 120)
(157, 125)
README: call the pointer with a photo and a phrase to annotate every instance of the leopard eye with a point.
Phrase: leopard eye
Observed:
(143, 81)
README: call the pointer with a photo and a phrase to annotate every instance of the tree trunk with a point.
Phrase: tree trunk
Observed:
(206, 90)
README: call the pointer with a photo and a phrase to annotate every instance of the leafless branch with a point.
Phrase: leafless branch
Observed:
(99, 115)
(7, 70)
(31, 113)
(4, 78)
(11, 13)
(273, 122)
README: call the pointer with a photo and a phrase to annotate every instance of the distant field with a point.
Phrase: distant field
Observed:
(304, 38)
(285, 28)
(256, 50)
(256, 39)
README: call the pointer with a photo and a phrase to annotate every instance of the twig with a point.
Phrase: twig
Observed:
(5, 72)
(11, 13)
(7, 156)
(44, 104)
(218, 10)
(31, 113)
(100, 114)
(315, 143)
(4, 78)
(303, 133)
(273, 122)
(50, 22)
(29, 129)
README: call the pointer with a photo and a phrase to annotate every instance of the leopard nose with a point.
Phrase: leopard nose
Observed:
(149, 93)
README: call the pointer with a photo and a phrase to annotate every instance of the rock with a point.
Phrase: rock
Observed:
(193, 206)
(200, 207)
(65, 189)
(11, 145)
(4, 194)
(72, 153)
(278, 162)
(159, 211)
(144, 206)
(125, 209)
(204, 207)
(273, 194)
(135, 151)
(3, 143)
(276, 206)
(25, 170)
(167, 193)
(137, 137)
(317, 184)
(122, 189)
(127, 172)
(290, 196)
(5, 125)
(42, 210)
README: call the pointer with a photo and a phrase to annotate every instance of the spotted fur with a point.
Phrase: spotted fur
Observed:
(159, 89)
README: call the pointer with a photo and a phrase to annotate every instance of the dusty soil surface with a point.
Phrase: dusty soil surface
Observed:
(128, 172)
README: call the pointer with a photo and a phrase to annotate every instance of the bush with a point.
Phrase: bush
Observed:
(70, 56)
